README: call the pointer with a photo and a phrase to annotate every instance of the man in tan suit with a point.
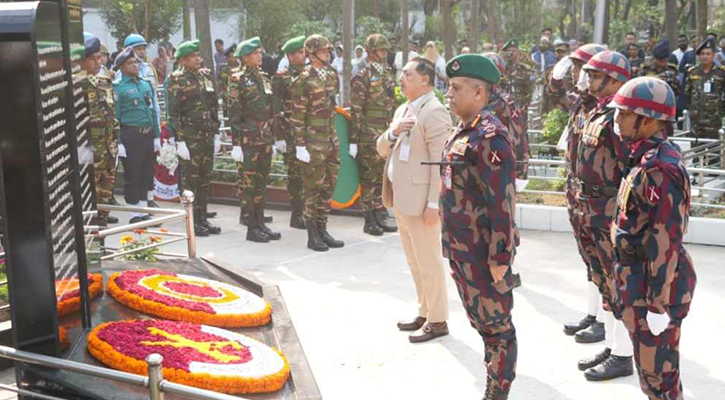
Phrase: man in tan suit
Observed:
(418, 133)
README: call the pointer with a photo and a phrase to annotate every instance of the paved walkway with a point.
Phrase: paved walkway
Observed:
(345, 303)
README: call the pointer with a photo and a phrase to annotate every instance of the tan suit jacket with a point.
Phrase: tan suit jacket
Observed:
(415, 185)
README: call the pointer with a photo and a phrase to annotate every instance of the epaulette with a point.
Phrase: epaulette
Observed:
(690, 69)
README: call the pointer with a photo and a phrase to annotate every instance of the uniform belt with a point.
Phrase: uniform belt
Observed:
(136, 129)
(376, 113)
(630, 254)
(590, 190)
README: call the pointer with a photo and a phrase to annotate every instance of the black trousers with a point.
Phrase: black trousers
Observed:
(138, 165)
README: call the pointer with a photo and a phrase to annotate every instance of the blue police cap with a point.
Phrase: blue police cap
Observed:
(123, 56)
(661, 51)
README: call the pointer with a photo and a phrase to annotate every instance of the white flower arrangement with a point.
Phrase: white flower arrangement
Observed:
(167, 157)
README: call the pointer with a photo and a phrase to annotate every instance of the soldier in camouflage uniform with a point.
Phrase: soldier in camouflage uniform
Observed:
(316, 143)
(601, 159)
(225, 71)
(509, 112)
(102, 125)
(654, 275)
(519, 77)
(373, 102)
(478, 205)
(588, 329)
(193, 118)
(705, 91)
(251, 111)
(661, 67)
(281, 84)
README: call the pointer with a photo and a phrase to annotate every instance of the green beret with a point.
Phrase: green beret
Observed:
(247, 47)
(294, 45)
(473, 66)
(186, 48)
(511, 43)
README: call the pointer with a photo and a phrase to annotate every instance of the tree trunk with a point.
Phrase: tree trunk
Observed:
(571, 29)
(701, 19)
(627, 8)
(475, 32)
(376, 9)
(448, 34)
(406, 31)
(671, 16)
(147, 25)
(489, 10)
(203, 32)
(187, 19)
(607, 18)
(347, 51)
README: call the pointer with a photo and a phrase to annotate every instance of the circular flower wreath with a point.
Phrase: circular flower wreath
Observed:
(196, 355)
(68, 293)
(188, 298)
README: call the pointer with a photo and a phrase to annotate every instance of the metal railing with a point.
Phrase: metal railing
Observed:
(154, 380)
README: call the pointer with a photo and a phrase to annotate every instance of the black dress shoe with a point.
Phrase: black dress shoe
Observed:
(413, 325)
(574, 327)
(211, 214)
(199, 230)
(593, 334)
(140, 218)
(591, 362)
(613, 367)
(110, 219)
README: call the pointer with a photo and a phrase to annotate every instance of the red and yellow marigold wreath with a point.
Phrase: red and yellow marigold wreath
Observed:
(63, 338)
(196, 355)
(68, 293)
(188, 298)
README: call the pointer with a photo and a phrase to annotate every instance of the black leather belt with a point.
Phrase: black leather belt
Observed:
(589, 190)
(136, 129)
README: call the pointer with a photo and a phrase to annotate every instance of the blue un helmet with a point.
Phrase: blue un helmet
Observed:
(134, 40)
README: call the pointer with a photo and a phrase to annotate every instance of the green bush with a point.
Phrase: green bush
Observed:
(554, 125)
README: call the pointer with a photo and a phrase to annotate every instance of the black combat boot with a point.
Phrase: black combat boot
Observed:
(613, 367)
(296, 220)
(242, 218)
(254, 232)
(371, 226)
(572, 328)
(494, 392)
(199, 228)
(259, 210)
(591, 362)
(110, 219)
(314, 241)
(327, 238)
(383, 220)
(593, 334)
(214, 230)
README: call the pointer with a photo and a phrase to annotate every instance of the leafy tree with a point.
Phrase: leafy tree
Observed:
(367, 25)
(129, 16)
(308, 28)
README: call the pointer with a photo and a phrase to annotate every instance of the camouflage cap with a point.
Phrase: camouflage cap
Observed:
(497, 61)
(317, 42)
(647, 96)
(376, 41)
(611, 63)
(104, 49)
(586, 52)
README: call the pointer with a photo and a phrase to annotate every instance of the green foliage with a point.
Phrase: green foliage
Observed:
(554, 125)
(126, 17)
(366, 26)
(265, 17)
(400, 98)
(308, 28)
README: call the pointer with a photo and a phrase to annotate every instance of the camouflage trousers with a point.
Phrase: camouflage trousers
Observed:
(253, 174)
(657, 357)
(104, 168)
(371, 167)
(196, 173)
(319, 179)
(294, 175)
(594, 228)
(571, 208)
(488, 307)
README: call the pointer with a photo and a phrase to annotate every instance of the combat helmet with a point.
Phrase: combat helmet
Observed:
(647, 96)
(317, 42)
(611, 63)
(586, 52)
(497, 60)
(376, 41)
(134, 40)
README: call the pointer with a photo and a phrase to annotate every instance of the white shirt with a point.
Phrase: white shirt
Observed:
(415, 103)
(679, 53)
(399, 62)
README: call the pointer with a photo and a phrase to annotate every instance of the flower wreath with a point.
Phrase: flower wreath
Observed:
(68, 293)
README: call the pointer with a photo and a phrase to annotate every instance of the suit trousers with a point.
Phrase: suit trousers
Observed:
(138, 165)
(422, 246)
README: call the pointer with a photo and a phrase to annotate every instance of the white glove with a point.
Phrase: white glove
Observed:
(85, 155)
(157, 145)
(237, 154)
(281, 146)
(217, 143)
(183, 151)
(657, 322)
(353, 150)
(521, 184)
(121, 151)
(302, 154)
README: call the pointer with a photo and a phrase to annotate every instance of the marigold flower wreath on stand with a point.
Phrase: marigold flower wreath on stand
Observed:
(188, 298)
(196, 355)
(68, 293)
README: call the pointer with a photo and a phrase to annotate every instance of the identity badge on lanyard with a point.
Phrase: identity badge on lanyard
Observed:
(404, 150)
(708, 86)
(448, 177)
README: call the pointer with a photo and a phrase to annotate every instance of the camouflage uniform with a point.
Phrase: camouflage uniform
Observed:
(507, 110)
(373, 103)
(225, 72)
(251, 110)
(668, 74)
(706, 94)
(478, 205)
(313, 126)
(654, 272)
(281, 85)
(103, 129)
(518, 82)
(193, 117)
